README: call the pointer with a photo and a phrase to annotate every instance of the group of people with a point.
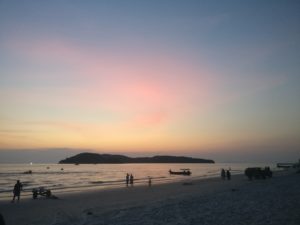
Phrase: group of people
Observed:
(18, 188)
(35, 192)
(129, 179)
(225, 174)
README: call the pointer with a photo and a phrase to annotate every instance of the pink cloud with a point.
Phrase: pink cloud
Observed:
(145, 87)
(130, 76)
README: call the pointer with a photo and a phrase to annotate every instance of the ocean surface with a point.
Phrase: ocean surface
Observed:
(61, 178)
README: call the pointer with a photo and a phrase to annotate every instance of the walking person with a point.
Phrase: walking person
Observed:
(149, 181)
(127, 179)
(228, 174)
(131, 179)
(17, 190)
(223, 175)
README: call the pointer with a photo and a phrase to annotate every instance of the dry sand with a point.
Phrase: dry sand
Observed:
(273, 201)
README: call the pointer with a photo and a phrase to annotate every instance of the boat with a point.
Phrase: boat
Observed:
(28, 172)
(185, 172)
(288, 165)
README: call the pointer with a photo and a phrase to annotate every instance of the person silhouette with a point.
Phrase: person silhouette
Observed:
(17, 190)
(228, 174)
(127, 179)
(149, 181)
(131, 179)
(223, 175)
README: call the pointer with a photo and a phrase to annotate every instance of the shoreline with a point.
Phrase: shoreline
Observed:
(86, 177)
(119, 184)
(77, 208)
(118, 187)
(103, 186)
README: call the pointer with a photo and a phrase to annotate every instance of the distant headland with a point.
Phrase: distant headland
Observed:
(93, 158)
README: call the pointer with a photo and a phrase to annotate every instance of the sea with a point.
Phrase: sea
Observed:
(65, 178)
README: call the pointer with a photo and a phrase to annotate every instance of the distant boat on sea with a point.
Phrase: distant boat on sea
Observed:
(185, 172)
(28, 172)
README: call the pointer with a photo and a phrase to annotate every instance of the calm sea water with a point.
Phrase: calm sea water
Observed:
(69, 178)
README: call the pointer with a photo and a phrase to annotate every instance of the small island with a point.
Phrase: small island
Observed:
(93, 158)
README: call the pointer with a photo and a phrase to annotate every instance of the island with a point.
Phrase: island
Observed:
(94, 158)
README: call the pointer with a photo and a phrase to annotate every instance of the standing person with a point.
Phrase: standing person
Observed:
(228, 174)
(150, 181)
(127, 179)
(17, 190)
(223, 175)
(131, 179)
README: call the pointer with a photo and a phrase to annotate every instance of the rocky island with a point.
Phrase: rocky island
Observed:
(92, 158)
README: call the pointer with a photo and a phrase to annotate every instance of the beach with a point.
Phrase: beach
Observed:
(206, 201)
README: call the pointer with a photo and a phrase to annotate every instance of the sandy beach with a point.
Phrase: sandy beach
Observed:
(210, 201)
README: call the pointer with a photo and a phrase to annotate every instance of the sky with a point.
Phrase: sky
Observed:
(218, 79)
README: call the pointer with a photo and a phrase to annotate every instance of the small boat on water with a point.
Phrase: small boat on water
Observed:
(28, 172)
(185, 172)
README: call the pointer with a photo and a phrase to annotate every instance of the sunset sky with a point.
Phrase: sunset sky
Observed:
(163, 77)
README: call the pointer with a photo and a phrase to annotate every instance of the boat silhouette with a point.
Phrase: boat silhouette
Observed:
(185, 172)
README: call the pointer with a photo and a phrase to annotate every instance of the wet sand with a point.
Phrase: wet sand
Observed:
(210, 201)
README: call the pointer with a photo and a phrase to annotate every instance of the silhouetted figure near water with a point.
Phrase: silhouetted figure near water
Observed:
(127, 179)
(131, 179)
(228, 174)
(150, 181)
(17, 190)
(223, 175)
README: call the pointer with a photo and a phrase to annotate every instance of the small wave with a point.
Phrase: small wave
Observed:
(96, 182)
(48, 172)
